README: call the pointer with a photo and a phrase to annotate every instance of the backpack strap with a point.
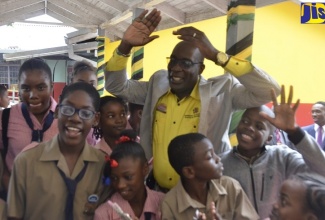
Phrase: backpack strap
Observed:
(5, 122)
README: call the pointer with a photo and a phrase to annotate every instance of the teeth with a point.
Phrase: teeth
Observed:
(176, 79)
(35, 105)
(245, 136)
(73, 129)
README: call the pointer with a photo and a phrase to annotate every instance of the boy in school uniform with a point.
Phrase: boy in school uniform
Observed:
(261, 168)
(201, 184)
(61, 179)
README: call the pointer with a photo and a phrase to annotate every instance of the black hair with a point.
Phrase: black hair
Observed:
(82, 65)
(35, 64)
(3, 89)
(269, 112)
(82, 86)
(98, 133)
(181, 150)
(127, 147)
(134, 107)
(320, 102)
(315, 192)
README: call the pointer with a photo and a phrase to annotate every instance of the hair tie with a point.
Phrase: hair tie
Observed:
(112, 162)
(123, 139)
(106, 180)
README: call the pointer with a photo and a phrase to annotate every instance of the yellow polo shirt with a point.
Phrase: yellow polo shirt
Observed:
(172, 118)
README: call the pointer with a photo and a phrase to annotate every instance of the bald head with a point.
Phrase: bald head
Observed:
(190, 49)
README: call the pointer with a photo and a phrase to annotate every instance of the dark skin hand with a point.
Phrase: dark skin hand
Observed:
(199, 40)
(214, 214)
(138, 33)
(284, 112)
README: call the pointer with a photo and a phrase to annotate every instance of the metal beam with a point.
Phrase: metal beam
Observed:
(216, 4)
(82, 37)
(75, 10)
(59, 17)
(172, 12)
(92, 10)
(80, 32)
(128, 13)
(65, 13)
(8, 6)
(21, 18)
(76, 57)
(69, 24)
(21, 11)
(117, 19)
(49, 51)
(117, 5)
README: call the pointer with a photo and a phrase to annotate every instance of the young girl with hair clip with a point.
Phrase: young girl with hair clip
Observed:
(113, 120)
(126, 170)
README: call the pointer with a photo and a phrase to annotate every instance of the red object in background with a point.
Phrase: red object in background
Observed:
(303, 114)
(57, 89)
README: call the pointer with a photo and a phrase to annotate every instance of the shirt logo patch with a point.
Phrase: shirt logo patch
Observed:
(162, 108)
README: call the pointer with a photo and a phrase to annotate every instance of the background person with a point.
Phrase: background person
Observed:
(317, 129)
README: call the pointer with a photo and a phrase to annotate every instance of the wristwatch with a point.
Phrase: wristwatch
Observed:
(222, 59)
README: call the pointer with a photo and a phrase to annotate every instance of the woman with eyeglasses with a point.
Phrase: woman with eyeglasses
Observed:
(61, 178)
(32, 119)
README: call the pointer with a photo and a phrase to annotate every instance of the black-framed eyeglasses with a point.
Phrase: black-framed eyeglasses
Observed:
(68, 110)
(183, 63)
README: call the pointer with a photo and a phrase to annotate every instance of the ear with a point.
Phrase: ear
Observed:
(270, 137)
(97, 117)
(188, 172)
(202, 67)
(139, 114)
(145, 169)
(56, 112)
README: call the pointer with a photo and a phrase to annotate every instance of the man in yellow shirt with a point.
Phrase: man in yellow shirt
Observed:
(180, 100)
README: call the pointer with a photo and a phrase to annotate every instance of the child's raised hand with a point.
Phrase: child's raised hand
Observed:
(284, 112)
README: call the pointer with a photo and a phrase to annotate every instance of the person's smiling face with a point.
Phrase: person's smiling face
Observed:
(182, 79)
(128, 178)
(35, 89)
(113, 119)
(73, 130)
(253, 131)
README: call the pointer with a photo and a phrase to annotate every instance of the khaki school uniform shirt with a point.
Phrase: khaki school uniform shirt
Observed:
(38, 191)
(230, 199)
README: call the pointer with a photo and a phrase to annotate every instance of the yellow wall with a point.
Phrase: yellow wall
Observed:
(291, 52)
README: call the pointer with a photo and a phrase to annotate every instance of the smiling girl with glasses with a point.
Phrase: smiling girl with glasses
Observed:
(62, 176)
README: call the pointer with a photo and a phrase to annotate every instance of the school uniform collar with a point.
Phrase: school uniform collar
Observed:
(148, 207)
(195, 94)
(53, 105)
(52, 152)
(184, 201)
